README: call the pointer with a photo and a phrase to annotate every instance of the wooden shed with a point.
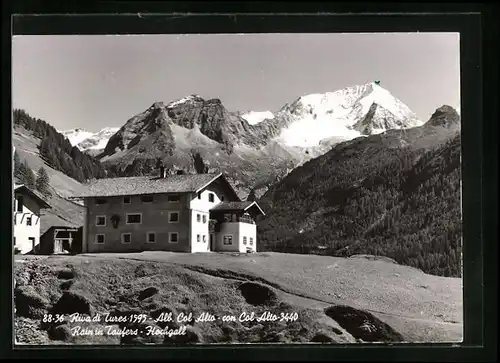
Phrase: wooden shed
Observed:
(61, 240)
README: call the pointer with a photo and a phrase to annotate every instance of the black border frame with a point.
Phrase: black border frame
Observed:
(478, 27)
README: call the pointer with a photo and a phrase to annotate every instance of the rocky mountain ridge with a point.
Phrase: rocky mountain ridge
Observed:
(254, 154)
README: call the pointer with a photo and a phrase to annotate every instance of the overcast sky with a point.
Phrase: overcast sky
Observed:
(103, 80)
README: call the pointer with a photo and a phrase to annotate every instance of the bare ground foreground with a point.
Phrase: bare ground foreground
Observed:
(336, 300)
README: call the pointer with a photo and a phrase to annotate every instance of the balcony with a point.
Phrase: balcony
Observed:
(248, 220)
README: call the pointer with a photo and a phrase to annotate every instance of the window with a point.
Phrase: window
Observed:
(204, 238)
(173, 237)
(126, 237)
(228, 239)
(173, 198)
(244, 240)
(197, 238)
(20, 204)
(251, 241)
(151, 237)
(100, 201)
(100, 220)
(198, 218)
(135, 218)
(173, 217)
(204, 218)
(15, 219)
(14, 241)
(127, 200)
(211, 197)
(199, 195)
(147, 198)
(32, 243)
(28, 221)
(99, 238)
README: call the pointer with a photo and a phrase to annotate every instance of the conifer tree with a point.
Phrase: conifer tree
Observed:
(43, 181)
(17, 165)
(27, 175)
(199, 164)
(251, 196)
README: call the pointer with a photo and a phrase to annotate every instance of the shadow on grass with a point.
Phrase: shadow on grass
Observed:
(363, 325)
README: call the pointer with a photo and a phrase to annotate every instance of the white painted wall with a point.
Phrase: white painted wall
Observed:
(249, 231)
(201, 229)
(228, 228)
(238, 230)
(203, 204)
(22, 232)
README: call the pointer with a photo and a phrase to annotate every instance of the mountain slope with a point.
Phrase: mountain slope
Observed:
(420, 307)
(395, 194)
(57, 151)
(63, 211)
(254, 149)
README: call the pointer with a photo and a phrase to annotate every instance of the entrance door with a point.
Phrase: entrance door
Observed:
(57, 246)
(212, 242)
(32, 242)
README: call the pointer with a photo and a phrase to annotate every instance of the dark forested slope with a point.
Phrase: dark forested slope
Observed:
(57, 150)
(391, 194)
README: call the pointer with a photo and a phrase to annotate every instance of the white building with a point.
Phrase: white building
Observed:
(184, 213)
(27, 207)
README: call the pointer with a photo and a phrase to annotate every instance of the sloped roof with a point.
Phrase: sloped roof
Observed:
(186, 183)
(236, 206)
(23, 189)
(66, 227)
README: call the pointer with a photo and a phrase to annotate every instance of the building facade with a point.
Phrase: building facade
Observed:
(26, 223)
(183, 213)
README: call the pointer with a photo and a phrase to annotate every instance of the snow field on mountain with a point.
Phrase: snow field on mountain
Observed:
(254, 117)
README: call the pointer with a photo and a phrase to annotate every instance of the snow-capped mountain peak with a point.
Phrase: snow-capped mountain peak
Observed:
(376, 94)
(275, 143)
(86, 140)
(183, 100)
(75, 136)
(329, 102)
(343, 115)
(254, 117)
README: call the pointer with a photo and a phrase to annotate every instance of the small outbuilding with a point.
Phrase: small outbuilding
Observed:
(61, 240)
